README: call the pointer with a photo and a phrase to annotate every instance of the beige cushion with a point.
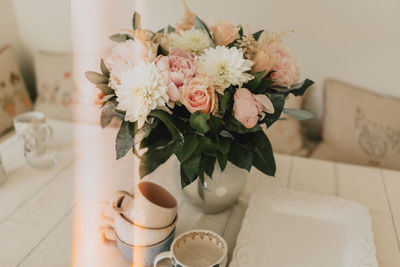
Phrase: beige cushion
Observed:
(14, 98)
(359, 127)
(54, 84)
(286, 135)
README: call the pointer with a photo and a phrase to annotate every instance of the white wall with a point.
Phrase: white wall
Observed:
(357, 41)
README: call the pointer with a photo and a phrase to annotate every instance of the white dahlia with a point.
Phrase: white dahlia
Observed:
(225, 67)
(141, 90)
(193, 40)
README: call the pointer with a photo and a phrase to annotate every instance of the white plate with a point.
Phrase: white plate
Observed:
(284, 228)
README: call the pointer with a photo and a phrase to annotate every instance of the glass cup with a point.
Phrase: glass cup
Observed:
(33, 129)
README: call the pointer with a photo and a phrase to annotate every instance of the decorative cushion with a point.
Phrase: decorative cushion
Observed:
(14, 98)
(286, 135)
(359, 127)
(54, 84)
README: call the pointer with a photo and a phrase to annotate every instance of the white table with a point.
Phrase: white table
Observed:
(51, 218)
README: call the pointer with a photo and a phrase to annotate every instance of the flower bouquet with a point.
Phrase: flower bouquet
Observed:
(204, 92)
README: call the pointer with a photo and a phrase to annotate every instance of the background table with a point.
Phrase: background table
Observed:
(47, 216)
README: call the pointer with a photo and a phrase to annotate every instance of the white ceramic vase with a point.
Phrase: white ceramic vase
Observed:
(219, 192)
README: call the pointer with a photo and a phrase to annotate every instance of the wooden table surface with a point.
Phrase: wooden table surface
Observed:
(52, 218)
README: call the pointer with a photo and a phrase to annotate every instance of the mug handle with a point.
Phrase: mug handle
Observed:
(106, 239)
(117, 199)
(161, 256)
(49, 132)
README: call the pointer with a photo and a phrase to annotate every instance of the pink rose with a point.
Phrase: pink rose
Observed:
(247, 107)
(286, 71)
(128, 54)
(197, 95)
(224, 33)
(177, 69)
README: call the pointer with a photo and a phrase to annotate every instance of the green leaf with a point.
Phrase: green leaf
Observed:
(278, 100)
(104, 69)
(297, 90)
(95, 78)
(199, 24)
(263, 86)
(240, 156)
(257, 35)
(223, 144)
(145, 131)
(198, 122)
(227, 134)
(173, 124)
(207, 164)
(185, 181)
(107, 113)
(191, 165)
(254, 83)
(136, 21)
(121, 37)
(105, 88)
(215, 124)
(170, 29)
(207, 146)
(263, 156)
(298, 114)
(190, 144)
(222, 160)
(153, 158)
(234, 125)
(125, 139)
(225, 101)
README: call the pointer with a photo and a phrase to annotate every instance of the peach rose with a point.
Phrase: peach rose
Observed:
(197, 95)
(224, 33)
(286, 71)
(177, 69)
(247, 107)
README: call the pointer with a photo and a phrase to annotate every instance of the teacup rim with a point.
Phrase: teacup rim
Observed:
(42, 117)
(149, 246)
(148, 228)
(224, 254)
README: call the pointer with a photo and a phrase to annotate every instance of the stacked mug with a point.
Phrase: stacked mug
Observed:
(143, 223)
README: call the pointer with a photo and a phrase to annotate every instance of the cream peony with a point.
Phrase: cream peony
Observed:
(126, 55)
(286, 71)
(225, 67)
(193, 40)
(141, 90)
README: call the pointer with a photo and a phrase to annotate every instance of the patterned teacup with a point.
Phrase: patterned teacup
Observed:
(196, 248)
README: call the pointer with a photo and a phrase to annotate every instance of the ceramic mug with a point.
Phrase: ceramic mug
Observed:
(142, 256)
(150, 206)
(36, 134)
(136, 235)
(197, 248)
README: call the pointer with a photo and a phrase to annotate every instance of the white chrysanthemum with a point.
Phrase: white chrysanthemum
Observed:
(193, 40)
(225, 66)
(141, 90)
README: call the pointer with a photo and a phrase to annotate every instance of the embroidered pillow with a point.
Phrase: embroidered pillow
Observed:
(54, 84)
(359, 127)
(14, 98)
(286, 135)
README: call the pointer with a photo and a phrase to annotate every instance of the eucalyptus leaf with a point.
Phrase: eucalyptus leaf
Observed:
(136, 24)
(125, 139)
(104, 69)
(298, 114)
(105, 88)
(121, 37)
(201, 25)
(107, 113)
(297, 90)
(95, 78)
(170, 29)
(198, 122)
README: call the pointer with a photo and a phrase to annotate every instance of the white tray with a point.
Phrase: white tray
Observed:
(284, 228)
